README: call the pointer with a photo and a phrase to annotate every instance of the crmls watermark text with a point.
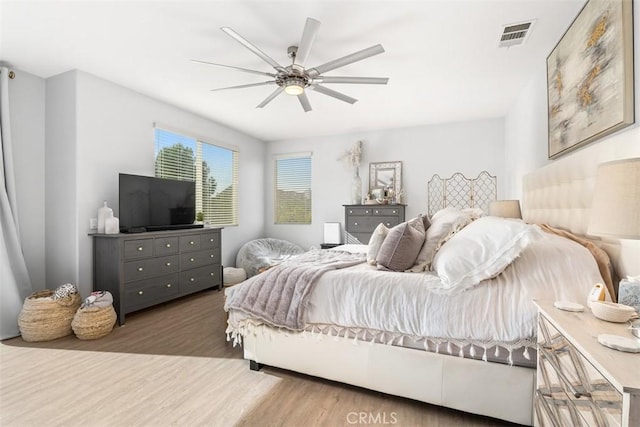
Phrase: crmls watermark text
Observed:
(372, 418)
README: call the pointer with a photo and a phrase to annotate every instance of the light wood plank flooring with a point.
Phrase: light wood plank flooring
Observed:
(172, 366)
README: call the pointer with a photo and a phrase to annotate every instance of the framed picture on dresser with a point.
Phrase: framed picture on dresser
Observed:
(385, 175)
(590, 77)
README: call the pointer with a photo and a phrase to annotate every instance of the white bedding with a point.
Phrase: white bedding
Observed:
(496, 310)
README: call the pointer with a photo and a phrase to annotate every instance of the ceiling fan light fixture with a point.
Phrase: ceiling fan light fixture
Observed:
(294, 86)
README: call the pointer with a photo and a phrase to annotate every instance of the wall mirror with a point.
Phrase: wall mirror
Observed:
(385, 174)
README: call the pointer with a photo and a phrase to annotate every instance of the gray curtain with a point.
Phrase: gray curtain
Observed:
(15, 284)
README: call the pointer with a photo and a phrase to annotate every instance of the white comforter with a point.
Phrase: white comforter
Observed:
(499, 309)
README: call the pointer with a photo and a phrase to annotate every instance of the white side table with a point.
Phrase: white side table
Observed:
(579, 381)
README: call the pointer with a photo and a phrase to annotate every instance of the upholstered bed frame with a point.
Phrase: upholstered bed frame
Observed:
(559, 195)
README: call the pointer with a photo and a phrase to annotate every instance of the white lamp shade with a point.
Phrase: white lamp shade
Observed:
(505, 208)
(615, 210)
(332, 232)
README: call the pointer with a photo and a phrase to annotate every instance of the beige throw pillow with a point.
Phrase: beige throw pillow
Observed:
(444, 224)
(401, 246)
(375, 242)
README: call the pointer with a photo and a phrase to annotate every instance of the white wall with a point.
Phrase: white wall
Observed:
(60, 174)
(27, 100)
(108, 129)
(467, 147)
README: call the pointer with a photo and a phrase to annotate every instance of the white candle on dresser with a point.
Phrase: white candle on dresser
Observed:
(112, 225)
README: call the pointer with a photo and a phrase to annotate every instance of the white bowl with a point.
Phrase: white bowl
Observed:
(612, 312)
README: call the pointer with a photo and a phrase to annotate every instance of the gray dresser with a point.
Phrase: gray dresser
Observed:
(361, 220)
(144, 269)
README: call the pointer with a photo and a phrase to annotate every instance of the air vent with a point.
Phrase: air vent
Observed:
(515, 34)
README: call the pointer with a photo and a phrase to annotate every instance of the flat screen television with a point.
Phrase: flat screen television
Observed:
(152, 204)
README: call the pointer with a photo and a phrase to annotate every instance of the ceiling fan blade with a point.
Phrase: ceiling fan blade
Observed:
(308, 36)
(333, 93)
(269, 98)
(262, 73)
(244, 42)
(243, 86)
(304, 101)
(346, 60)
(353, 80)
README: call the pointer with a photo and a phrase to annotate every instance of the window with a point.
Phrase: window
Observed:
(293, 189)
(213, 168)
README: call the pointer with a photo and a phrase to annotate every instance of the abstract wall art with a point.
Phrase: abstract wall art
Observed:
(590, 77)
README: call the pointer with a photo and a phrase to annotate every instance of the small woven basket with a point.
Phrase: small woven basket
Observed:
(93, 322)
(44, 319)
(612, 312)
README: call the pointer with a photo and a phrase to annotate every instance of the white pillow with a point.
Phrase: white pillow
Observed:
(375, 241)
(444, 224)
(482, 250)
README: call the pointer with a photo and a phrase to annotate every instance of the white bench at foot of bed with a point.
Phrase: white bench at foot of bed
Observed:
(491, 389)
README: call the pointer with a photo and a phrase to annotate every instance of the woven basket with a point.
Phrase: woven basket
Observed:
(44, 319)
(93, 322)
(612, 312)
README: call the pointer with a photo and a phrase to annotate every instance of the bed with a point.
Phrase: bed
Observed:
(459, 337)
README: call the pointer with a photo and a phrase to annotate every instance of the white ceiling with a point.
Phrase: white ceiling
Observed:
(442, 57)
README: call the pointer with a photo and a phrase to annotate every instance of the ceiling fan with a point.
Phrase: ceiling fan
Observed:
(294, 79)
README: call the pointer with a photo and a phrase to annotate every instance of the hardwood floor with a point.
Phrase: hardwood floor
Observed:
(172, 366)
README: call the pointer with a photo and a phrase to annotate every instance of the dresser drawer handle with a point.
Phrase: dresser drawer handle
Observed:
(211, 256)
(211, 274)
(367, 211)
(355, 223)
(168, 264)
(140, 268)
(140, 248)
(140, 292)
(191, 259)
(394, 211)
(192, 279)
(211, 239)
(377, 211)
(168, 285)
(350, 211)
(388, 224)
(168, 245)
(191, 242)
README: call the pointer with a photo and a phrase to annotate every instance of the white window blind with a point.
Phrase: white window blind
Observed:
(293, 189)
(213, 168)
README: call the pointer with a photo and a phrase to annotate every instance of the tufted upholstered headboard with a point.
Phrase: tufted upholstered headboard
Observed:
(560, 195)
